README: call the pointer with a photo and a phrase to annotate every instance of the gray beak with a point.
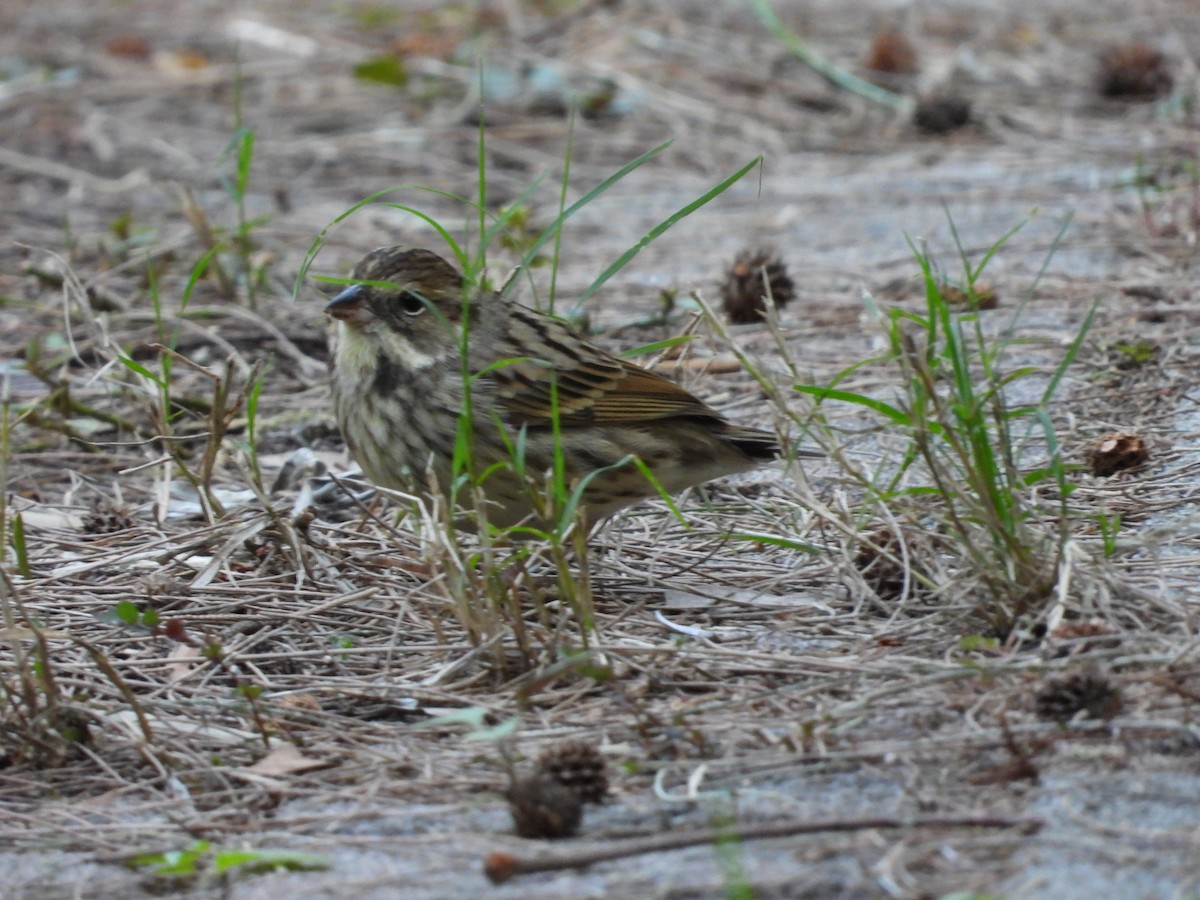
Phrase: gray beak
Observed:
(350, 305)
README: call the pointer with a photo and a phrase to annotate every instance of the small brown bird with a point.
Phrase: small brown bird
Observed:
(537, 390)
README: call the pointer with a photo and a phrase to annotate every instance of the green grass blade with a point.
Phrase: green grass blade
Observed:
(587, 198)
(556, 254)
(319, 241)
(657, 346)
(20, 545)
(884, 409)
(194, 277)
(666, 224)
(138, 368)
(774, 540)
(245, 155)
(819, 64)
(1071, 355)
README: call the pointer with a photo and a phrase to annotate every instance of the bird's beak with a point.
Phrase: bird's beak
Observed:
(350, 306)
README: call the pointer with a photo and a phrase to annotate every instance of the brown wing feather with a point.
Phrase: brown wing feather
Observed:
(592, 385)
(641, 394)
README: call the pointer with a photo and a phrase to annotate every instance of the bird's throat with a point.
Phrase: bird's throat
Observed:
(361, 353)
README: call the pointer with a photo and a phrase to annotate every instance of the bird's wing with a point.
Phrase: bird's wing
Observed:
(584, 383)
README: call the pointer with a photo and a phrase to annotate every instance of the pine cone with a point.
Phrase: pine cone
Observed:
(1114, 453)
(1060, 699)
(891, 53)
(579, 766)
(886, 575)
(1134, 71)
(941, 113)
(544, 807)
(743, 289)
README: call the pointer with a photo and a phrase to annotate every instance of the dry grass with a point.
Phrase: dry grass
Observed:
(327, 633)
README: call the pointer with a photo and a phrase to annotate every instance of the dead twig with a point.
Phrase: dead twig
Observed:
(500, 866)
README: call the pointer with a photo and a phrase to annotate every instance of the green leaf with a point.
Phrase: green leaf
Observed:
(268, 861)
(127, 612)
(384, 70)
(171, 862)
(186, 862)
(504, 729)
(474, 716)
(977, 642)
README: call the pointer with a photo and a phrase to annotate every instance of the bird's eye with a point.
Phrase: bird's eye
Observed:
(412, 304)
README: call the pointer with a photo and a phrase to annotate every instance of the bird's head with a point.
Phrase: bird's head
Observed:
(406, 302)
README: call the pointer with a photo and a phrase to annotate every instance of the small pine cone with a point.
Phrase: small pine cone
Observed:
(941, 113)
(1060, 699)
(1134, 71)
(891, 53)
(579, 766)
(1114, 453)
(743, 289)
(886, 575)
(107, 519)
(544, 807)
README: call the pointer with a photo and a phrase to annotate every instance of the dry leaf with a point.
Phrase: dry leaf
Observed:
(285, 759)
(186, 657)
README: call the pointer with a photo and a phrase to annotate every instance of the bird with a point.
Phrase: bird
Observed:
(424, 362)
